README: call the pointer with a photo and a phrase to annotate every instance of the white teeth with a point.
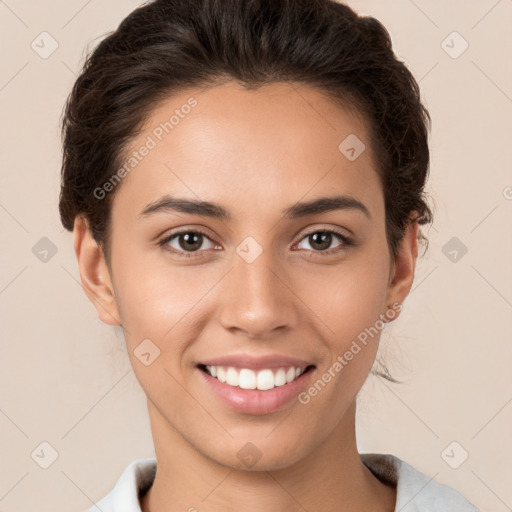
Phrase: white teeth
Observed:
(265, 380)
(246, 378)
(280, 377)
(232, 377)
(221, 374)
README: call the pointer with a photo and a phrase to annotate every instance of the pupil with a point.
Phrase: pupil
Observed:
(192, 241)
(321, 238)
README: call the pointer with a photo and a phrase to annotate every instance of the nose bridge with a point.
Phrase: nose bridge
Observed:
(256, 300)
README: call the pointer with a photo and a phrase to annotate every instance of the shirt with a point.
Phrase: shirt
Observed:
(415, 491)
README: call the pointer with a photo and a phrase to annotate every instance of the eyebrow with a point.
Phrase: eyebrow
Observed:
(215, 211)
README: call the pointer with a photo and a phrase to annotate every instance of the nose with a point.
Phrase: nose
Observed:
(256, 299)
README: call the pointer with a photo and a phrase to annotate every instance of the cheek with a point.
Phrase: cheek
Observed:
(351, 304)
(160, 301)
(349, 296)
(352, 313)
(148, 289)
(155, 306)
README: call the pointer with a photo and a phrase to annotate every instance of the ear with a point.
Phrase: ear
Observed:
(402, 271)
(94, 273)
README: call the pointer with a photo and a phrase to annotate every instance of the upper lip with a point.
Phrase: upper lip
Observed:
(256, 362)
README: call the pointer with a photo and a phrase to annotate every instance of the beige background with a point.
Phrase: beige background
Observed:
(65, 378)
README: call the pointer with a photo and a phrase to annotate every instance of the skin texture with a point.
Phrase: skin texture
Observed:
(255, 153)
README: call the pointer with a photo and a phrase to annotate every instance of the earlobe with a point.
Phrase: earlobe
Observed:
(94, 273)
(403, 267)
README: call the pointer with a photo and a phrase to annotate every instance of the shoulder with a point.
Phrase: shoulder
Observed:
(416, 492)
(136, 478)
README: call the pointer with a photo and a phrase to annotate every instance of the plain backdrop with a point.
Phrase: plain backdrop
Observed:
(68, 397)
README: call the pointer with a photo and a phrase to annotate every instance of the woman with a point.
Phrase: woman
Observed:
(245, 182)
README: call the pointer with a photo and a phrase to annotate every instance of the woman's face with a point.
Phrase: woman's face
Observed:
(267, 285)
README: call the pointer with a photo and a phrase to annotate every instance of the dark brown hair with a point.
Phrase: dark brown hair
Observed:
(167, 45)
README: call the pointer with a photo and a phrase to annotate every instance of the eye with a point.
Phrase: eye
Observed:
(320, 241)
(186, 243)
(190, 243)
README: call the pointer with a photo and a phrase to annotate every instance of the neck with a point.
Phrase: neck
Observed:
(332, 475)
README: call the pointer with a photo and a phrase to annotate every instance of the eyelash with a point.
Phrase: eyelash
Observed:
(347, 242)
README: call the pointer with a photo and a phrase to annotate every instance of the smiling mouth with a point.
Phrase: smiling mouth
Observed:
(263, 379)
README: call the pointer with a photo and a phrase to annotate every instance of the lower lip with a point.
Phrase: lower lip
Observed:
(255, 401)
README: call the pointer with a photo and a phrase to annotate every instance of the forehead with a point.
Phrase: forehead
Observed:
(269, 146)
